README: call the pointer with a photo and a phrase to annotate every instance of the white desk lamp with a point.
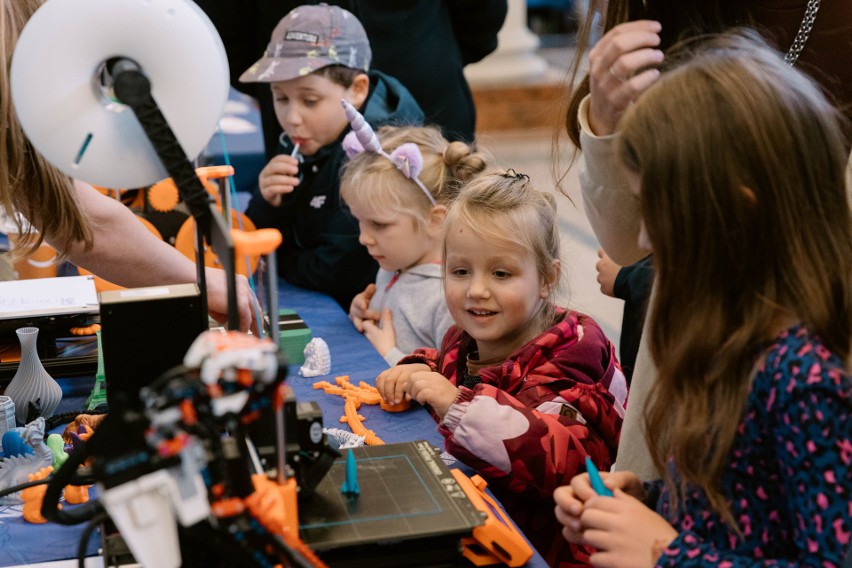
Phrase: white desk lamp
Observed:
(69, 116)
(123, 93)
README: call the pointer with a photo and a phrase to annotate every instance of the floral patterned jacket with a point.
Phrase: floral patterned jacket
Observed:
(529, 424)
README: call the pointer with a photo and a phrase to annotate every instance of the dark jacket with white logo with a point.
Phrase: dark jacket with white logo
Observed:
(320, 250)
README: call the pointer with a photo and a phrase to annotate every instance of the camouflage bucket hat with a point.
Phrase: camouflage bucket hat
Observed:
(310, 38)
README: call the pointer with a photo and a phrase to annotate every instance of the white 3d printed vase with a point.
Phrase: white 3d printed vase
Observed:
(32, 383)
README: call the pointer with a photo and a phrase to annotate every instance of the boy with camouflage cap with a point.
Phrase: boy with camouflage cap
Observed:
(317, 56)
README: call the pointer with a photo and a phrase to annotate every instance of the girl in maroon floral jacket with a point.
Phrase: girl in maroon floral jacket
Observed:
(523, 390)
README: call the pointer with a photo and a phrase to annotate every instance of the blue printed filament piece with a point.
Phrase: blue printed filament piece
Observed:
(595, 479)
(350, 483)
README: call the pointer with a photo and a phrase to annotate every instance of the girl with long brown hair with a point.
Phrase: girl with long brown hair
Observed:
(814, 36)
(751, 416)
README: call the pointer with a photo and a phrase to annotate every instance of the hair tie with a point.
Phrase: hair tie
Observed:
(512, 174)
(407, 158)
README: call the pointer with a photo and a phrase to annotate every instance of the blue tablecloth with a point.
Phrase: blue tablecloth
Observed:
(351, 354)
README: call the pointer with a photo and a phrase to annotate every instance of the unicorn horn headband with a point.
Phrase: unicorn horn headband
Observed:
(407, 158)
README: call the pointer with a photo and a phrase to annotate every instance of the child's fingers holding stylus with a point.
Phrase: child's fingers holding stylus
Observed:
(627, 481)
(572, 528)
(581, 487)
(566, 502)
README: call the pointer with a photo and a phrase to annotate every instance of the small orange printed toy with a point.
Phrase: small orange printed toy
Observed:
(76, 494)
(34, 496)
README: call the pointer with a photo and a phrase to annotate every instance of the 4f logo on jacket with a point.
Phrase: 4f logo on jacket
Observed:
(318, 201)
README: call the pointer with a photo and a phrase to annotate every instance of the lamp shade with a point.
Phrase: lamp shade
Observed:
(66, 113)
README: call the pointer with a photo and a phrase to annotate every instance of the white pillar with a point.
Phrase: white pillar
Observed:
(515, 59)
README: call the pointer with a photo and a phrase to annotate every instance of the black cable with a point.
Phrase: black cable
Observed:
(22, 486)
(66, 418)
(86, 535)
(77, 480)
(290, 554)
(83, 478)
(58, 419)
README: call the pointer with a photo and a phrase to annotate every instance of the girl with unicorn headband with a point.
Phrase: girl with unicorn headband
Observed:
(398, 186)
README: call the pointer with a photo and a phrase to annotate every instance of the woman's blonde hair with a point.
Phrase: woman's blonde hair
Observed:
(28, 183)
(741, 163)
(505, 208)
(373, 180)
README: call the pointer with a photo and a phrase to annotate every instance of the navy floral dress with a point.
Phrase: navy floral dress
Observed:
(790, 474)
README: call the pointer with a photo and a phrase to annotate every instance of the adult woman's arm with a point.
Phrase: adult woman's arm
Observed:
(126, 253)
(621, 67)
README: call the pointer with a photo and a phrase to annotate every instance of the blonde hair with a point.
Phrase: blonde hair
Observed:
(505, 208)
(741, 162)
(28, 183)
(373, 180)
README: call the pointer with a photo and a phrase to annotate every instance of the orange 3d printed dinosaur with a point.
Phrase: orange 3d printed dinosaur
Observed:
(354, 396)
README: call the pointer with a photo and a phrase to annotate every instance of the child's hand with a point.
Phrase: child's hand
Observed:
(568, 510)
(607, 272)
(624, 531)
(382, 337)
(278, 177)
(429, 387)
(570, 499)
(393, 383)
(359, 309)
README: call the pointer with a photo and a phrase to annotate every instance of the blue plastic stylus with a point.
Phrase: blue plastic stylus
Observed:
(595, 478)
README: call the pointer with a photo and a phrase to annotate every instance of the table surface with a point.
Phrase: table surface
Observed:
(351, 354)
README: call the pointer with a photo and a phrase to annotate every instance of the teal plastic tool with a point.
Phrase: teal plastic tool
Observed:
(595, 478)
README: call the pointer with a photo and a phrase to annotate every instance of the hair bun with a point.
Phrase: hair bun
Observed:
(464, 161)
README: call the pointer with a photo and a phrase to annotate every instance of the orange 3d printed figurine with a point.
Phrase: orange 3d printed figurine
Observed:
(355, 396)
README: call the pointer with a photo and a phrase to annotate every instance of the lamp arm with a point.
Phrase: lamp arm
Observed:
(133, 88)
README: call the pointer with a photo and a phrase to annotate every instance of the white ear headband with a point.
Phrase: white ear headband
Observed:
(407, 158)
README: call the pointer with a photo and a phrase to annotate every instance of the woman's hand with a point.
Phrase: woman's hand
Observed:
(278, 178)
(618, 71)
(217, 299)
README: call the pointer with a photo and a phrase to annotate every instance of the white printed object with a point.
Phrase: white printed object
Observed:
(317, 358)
(7, 414)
